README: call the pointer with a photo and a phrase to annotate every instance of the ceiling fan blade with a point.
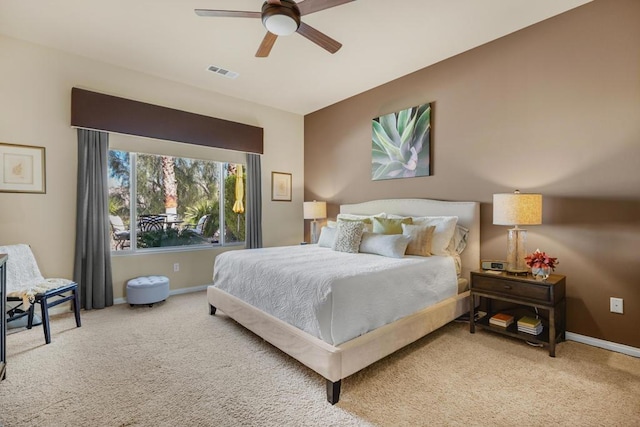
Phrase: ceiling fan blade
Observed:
(309, 6)
(231, 13)
(274, 2)
(321, 39)
(266, 45)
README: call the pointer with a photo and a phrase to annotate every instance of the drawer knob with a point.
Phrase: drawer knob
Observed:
(507, 286)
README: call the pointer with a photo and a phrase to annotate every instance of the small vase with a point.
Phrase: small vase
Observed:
(541, 273)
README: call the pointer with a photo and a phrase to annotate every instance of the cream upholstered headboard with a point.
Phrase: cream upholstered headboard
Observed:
(468, 214)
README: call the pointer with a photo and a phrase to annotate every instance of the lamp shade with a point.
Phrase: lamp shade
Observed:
(315, 210)
(517, 208)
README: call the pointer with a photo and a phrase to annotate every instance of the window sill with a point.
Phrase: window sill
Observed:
(173, 249)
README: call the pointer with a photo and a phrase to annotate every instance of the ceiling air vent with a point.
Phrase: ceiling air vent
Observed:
(226, 73)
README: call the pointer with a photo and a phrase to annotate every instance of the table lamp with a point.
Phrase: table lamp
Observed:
(314, 211)
(517, 209)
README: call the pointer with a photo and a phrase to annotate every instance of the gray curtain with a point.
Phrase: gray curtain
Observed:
(253, 220)
(92, 265)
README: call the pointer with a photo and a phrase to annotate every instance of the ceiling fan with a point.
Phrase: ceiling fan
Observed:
(282, 18)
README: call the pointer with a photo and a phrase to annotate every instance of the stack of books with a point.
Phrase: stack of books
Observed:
(501, 319)
(530, 325)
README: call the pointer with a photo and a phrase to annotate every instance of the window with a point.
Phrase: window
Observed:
(178, 202)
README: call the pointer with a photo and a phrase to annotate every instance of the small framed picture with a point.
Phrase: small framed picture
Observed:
(22, 169)
(281, 186)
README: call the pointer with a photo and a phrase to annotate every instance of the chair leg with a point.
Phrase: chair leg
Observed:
(45, 320)
(76, 306)
(32, 309)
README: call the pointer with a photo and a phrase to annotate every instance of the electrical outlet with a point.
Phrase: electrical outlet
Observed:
(616, 305)
(176, 267)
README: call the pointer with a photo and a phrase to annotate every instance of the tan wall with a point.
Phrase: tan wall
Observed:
(35, 109)
(554, 109)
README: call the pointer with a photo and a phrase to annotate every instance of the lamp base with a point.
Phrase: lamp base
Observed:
(314, 234)
(516, 251)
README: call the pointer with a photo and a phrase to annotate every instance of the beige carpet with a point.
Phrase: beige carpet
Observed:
(174, 365)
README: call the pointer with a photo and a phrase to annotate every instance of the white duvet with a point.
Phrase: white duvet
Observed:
(334, 296)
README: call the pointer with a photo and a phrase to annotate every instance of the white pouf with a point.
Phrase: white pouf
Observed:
(147, 290)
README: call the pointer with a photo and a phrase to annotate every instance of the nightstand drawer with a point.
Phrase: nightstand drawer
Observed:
(509, 288)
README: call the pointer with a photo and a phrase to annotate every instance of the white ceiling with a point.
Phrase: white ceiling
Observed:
(382, 40)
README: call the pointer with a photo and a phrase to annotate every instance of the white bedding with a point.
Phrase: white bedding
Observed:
(331, 295)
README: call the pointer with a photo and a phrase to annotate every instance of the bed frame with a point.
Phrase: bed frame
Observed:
(337, 362)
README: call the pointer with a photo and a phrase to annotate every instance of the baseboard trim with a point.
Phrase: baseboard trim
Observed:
(608, 345)
(171, 292)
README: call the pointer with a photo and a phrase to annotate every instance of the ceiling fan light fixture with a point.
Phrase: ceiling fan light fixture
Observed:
(281, 19)
(280, 25)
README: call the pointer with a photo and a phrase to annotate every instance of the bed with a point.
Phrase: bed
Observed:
(332, 351)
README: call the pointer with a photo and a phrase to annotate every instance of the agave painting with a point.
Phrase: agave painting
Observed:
(401, 144)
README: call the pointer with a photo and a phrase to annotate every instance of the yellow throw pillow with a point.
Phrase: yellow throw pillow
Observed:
(389, 225)
(421, 238)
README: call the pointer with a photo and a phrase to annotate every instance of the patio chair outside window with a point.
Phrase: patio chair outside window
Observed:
(151, 223)
(119, 233)
(202, 222)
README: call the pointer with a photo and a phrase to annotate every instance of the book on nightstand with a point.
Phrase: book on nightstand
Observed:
(529, 325)
(501, 319)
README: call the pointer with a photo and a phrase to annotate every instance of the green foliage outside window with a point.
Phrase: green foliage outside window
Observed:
(169, 237)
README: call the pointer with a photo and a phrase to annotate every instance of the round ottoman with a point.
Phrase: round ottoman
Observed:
(147, 290)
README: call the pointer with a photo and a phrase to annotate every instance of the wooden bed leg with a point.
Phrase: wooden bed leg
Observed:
(333, 391)
(212, 310)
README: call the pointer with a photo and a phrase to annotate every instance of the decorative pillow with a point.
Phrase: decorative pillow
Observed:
(420, 239)
(389, 245)
(458, 241)
(442, 235)
(367, 219)
(332, 224)
(367, 225)
(390, 225)
(348, 236)
(327, 237)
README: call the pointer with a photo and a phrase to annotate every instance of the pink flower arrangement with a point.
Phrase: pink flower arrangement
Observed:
(541, 259)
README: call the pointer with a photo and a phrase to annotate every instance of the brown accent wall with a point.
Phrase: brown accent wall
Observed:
(553, 108)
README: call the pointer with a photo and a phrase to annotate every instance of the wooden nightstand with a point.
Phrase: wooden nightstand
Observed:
(548, 297)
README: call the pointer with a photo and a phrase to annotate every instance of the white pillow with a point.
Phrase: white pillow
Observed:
(459, 240)
(327, 237)
(348, 236)
(355, 217)
(443, 233)
(389, 245)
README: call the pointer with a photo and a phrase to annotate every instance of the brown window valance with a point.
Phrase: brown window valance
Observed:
(98, 111)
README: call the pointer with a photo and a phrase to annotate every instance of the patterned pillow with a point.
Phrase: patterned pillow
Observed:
(348, 236)
(421, 238)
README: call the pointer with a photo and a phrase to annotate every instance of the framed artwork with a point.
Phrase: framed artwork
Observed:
(401, 144)
(281, 186)
(22, 169)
